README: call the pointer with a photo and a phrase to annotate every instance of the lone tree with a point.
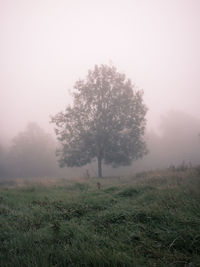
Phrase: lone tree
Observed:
(106, 121)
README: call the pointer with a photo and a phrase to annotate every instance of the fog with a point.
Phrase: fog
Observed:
(46, 46)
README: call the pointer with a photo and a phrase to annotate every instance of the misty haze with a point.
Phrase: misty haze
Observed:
(100, 133)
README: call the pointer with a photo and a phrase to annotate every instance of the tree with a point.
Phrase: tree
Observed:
(106, 121)
(32, 153)
(179, 140)
(3, 155)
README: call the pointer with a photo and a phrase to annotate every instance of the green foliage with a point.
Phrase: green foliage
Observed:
(129, 192)
(106, 121)
(151, 219)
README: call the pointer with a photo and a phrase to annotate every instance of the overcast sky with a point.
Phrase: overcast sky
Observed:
(46, 45)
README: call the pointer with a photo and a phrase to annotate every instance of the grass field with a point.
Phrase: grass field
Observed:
(148, 219)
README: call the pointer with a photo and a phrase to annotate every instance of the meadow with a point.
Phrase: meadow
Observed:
(146, 219)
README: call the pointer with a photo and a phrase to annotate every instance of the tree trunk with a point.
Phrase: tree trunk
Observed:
(99, 167)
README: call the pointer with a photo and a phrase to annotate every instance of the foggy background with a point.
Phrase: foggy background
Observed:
(46, 46)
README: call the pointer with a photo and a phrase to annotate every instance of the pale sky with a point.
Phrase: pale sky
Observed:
(47, 45)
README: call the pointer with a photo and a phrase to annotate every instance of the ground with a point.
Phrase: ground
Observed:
(147, 219)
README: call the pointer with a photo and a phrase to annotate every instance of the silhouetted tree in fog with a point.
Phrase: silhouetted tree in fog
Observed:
(106, 121)
(32, 153)
(180, 137)
(2, 161)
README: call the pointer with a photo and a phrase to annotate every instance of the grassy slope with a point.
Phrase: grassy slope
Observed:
(151, 219)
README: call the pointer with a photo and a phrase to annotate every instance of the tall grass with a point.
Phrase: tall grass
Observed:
(148, 219)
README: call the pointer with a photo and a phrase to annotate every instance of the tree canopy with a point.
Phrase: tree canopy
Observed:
(32, 153)
(106, 121)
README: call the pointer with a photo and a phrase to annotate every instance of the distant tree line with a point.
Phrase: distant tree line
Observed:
(177, 142)
(32, 151)
(31, 154)
(104, 125)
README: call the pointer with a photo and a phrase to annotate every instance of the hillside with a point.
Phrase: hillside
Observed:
(148, 219)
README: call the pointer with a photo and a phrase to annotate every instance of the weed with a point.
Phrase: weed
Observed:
(129, 192)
